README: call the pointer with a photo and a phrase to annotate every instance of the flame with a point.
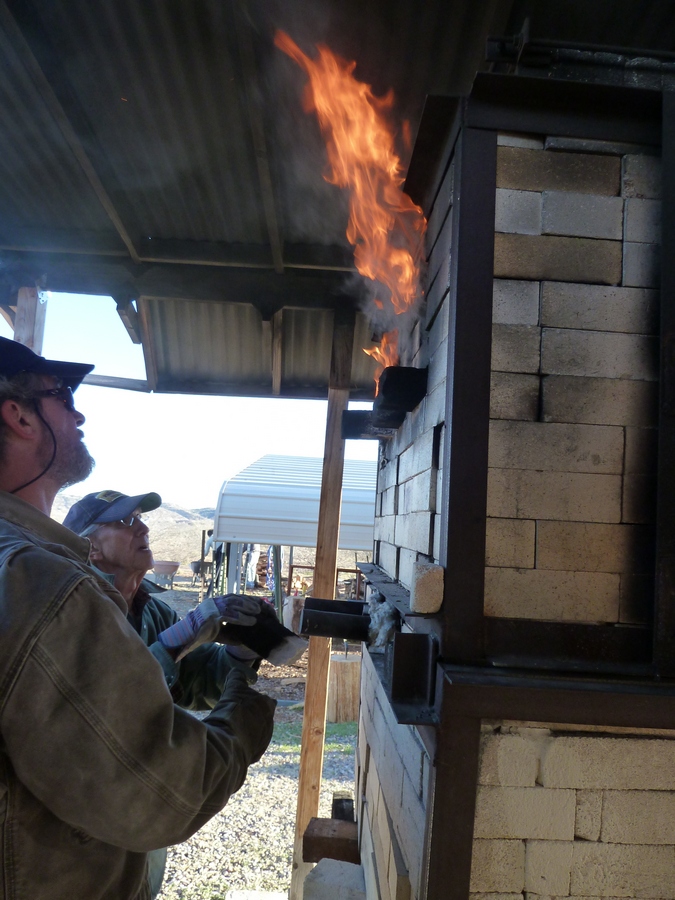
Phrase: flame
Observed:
(384, 355)
(385, 226)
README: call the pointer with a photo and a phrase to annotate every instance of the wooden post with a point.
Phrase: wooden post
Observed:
(29, 321)
(201, 567)
(316, 691)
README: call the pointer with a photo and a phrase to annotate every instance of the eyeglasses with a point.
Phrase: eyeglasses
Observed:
(129, 520)
(64, 394)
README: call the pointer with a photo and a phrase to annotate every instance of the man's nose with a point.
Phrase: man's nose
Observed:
(79, 418)
(141, 527)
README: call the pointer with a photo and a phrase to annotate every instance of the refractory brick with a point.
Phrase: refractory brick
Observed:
(510, 542)
(642, 221)
(641, 264)
(518, 211)
(534, 170)
(556, 447)
(582, 215)
(641, 176)
(599, 307)
(599, 401)
(591, 547)
(548, 867)
(616, 870)
(552, 596)
(524, 812)
(588, 818)
(598, 354)
(545, 257)
(511, 760)
(609, 763)
(514, 396)
(638, 817)
(568, 497)
(498, 866)
(515, 302)
(515, 348)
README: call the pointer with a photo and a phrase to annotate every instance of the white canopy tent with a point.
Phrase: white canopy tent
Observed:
(275, 500)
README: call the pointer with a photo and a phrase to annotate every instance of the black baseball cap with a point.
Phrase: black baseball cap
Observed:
(107, 506)
(16, 358)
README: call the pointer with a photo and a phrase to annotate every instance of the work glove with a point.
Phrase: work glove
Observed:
(203, 624)
(268, 639)
(248, 713)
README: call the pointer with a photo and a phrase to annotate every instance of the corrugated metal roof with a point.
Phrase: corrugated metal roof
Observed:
(192, 123)
(275, 500)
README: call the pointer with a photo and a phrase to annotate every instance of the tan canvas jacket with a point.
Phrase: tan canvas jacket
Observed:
(97, 765)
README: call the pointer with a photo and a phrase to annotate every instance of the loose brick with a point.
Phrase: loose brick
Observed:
(515, 348)
(524, 812)
(597, 354)
(515, 302)
(548, 867)
(514, 396)
(643, 221)
(581, 215)
(585, 547)
(557, 258)
(406, 562)
(638, 502)
(614, 870)
(498, 866)
(556, 447)
(599, 307)
(641, 176)
(589, 815)
(552, 596)
(599, 401)
(495, 897)
(518, 211)
(641, 451)
(569, 497)
(388, 502)
(638, 817)
(511, 760)
(384, 529)
(510, 542)
(641, 265)
(636, 599)
(426, 591)
(533, 170)
(609, 763)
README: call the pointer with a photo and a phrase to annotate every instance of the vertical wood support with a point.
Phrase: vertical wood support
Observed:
(468, 396)
(325, 572)
(664, 607)
(29, 321)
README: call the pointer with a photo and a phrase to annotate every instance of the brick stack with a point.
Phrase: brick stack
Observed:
(574, 388)
(574, 816)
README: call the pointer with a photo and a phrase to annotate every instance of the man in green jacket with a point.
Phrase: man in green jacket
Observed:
(98, 766)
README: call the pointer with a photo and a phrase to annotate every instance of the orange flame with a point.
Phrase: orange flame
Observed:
(385, 226)
(384, 355)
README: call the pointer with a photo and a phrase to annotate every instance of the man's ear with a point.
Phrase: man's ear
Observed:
(22, 421)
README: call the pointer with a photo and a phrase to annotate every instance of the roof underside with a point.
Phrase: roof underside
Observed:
(158, 153)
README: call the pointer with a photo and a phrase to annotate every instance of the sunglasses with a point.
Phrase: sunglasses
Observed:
(129, 520)
(64, 394)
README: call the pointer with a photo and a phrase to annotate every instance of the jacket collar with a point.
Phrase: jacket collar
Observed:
(25, 515)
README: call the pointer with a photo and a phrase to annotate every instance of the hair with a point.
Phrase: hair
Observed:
(22, 388)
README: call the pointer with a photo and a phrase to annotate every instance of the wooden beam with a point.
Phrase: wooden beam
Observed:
(8, 313)
(331, 839)
(14, 42)
(113, 381)
(277, 332)
(129, 316)
(314, 719)
(251, 88)
(29, 321)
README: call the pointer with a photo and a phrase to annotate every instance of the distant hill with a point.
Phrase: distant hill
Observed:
(175, 532)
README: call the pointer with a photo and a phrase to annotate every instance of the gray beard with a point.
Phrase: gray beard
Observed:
(71, 464)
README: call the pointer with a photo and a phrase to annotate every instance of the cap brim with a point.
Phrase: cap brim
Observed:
(70, 373)
(120, 509)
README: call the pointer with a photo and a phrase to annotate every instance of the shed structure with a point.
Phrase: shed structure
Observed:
(275, 500)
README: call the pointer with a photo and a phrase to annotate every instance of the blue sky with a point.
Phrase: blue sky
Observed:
(182, 446)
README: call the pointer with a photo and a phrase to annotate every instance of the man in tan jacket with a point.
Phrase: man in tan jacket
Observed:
(97, 765)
